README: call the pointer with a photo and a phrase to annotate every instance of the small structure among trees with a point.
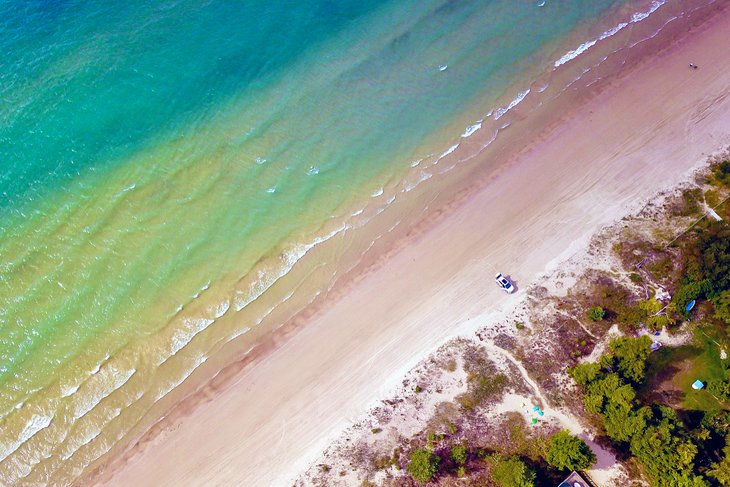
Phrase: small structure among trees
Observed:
(575, 480)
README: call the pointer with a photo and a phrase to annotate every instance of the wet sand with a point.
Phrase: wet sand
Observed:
(642, 133)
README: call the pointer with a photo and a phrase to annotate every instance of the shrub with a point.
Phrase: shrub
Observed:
(566, 452)
(481, 388)
(596, 313)
(722, 173)
(511, 472)
(458, 454)
(424, 465)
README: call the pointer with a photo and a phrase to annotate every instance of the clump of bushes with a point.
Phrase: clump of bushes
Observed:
(510, 471)
(480, 389)
(424, 465)
(596, 313)
(721, 173)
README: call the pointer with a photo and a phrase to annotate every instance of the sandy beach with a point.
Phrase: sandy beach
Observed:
(639, 134)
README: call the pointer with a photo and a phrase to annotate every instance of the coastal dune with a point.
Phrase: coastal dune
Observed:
(636, 134)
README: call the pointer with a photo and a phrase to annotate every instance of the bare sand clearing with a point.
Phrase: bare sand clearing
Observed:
(641, 134)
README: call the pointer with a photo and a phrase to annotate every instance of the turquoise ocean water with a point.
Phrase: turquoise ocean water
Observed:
(151, 150)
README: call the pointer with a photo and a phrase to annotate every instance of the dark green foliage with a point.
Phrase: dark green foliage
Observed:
(715, 263)
(722, 173)
(720, 388)
(688, 292)
(567, 452)
(424, 465)
(631, 355)
(722, 306)
(656, 437)
(458, 454)
(707, 267)
(596, 313)
(511, 472)
(720, 470)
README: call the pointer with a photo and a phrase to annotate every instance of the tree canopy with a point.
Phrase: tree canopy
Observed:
(631, 355)
(567, 452)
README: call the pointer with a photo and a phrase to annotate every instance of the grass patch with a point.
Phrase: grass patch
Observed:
(671, 372)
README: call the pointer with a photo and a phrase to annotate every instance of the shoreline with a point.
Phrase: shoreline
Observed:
(370, 283)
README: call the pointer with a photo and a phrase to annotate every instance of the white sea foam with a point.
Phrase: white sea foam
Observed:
(517, 100)
(185, 335)
(418, 162)
(289, 258)
(377, 192)
(471, 129)
(36, 423)
(69, 390)
(261, 160)
(271, 190)
(120, 377)
(312, 170)
(636, 17)
(447, 152)
(423, 176)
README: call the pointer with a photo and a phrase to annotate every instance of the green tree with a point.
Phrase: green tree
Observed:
(631, 355)
(721, 470)
(622, 422)
(424, 465)
(566, 452)
(511, 472)
(681, 479)
(715, 263)
(596, 313)
(722, 306)
(664, 449)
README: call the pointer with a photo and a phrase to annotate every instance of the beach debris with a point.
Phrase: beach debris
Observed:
(697, 385)
(690, 305)
(723, 354)
(693, 66)
(655, 346)
(534, 420)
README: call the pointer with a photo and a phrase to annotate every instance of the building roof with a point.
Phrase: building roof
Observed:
(575, 480)
(698, 384)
